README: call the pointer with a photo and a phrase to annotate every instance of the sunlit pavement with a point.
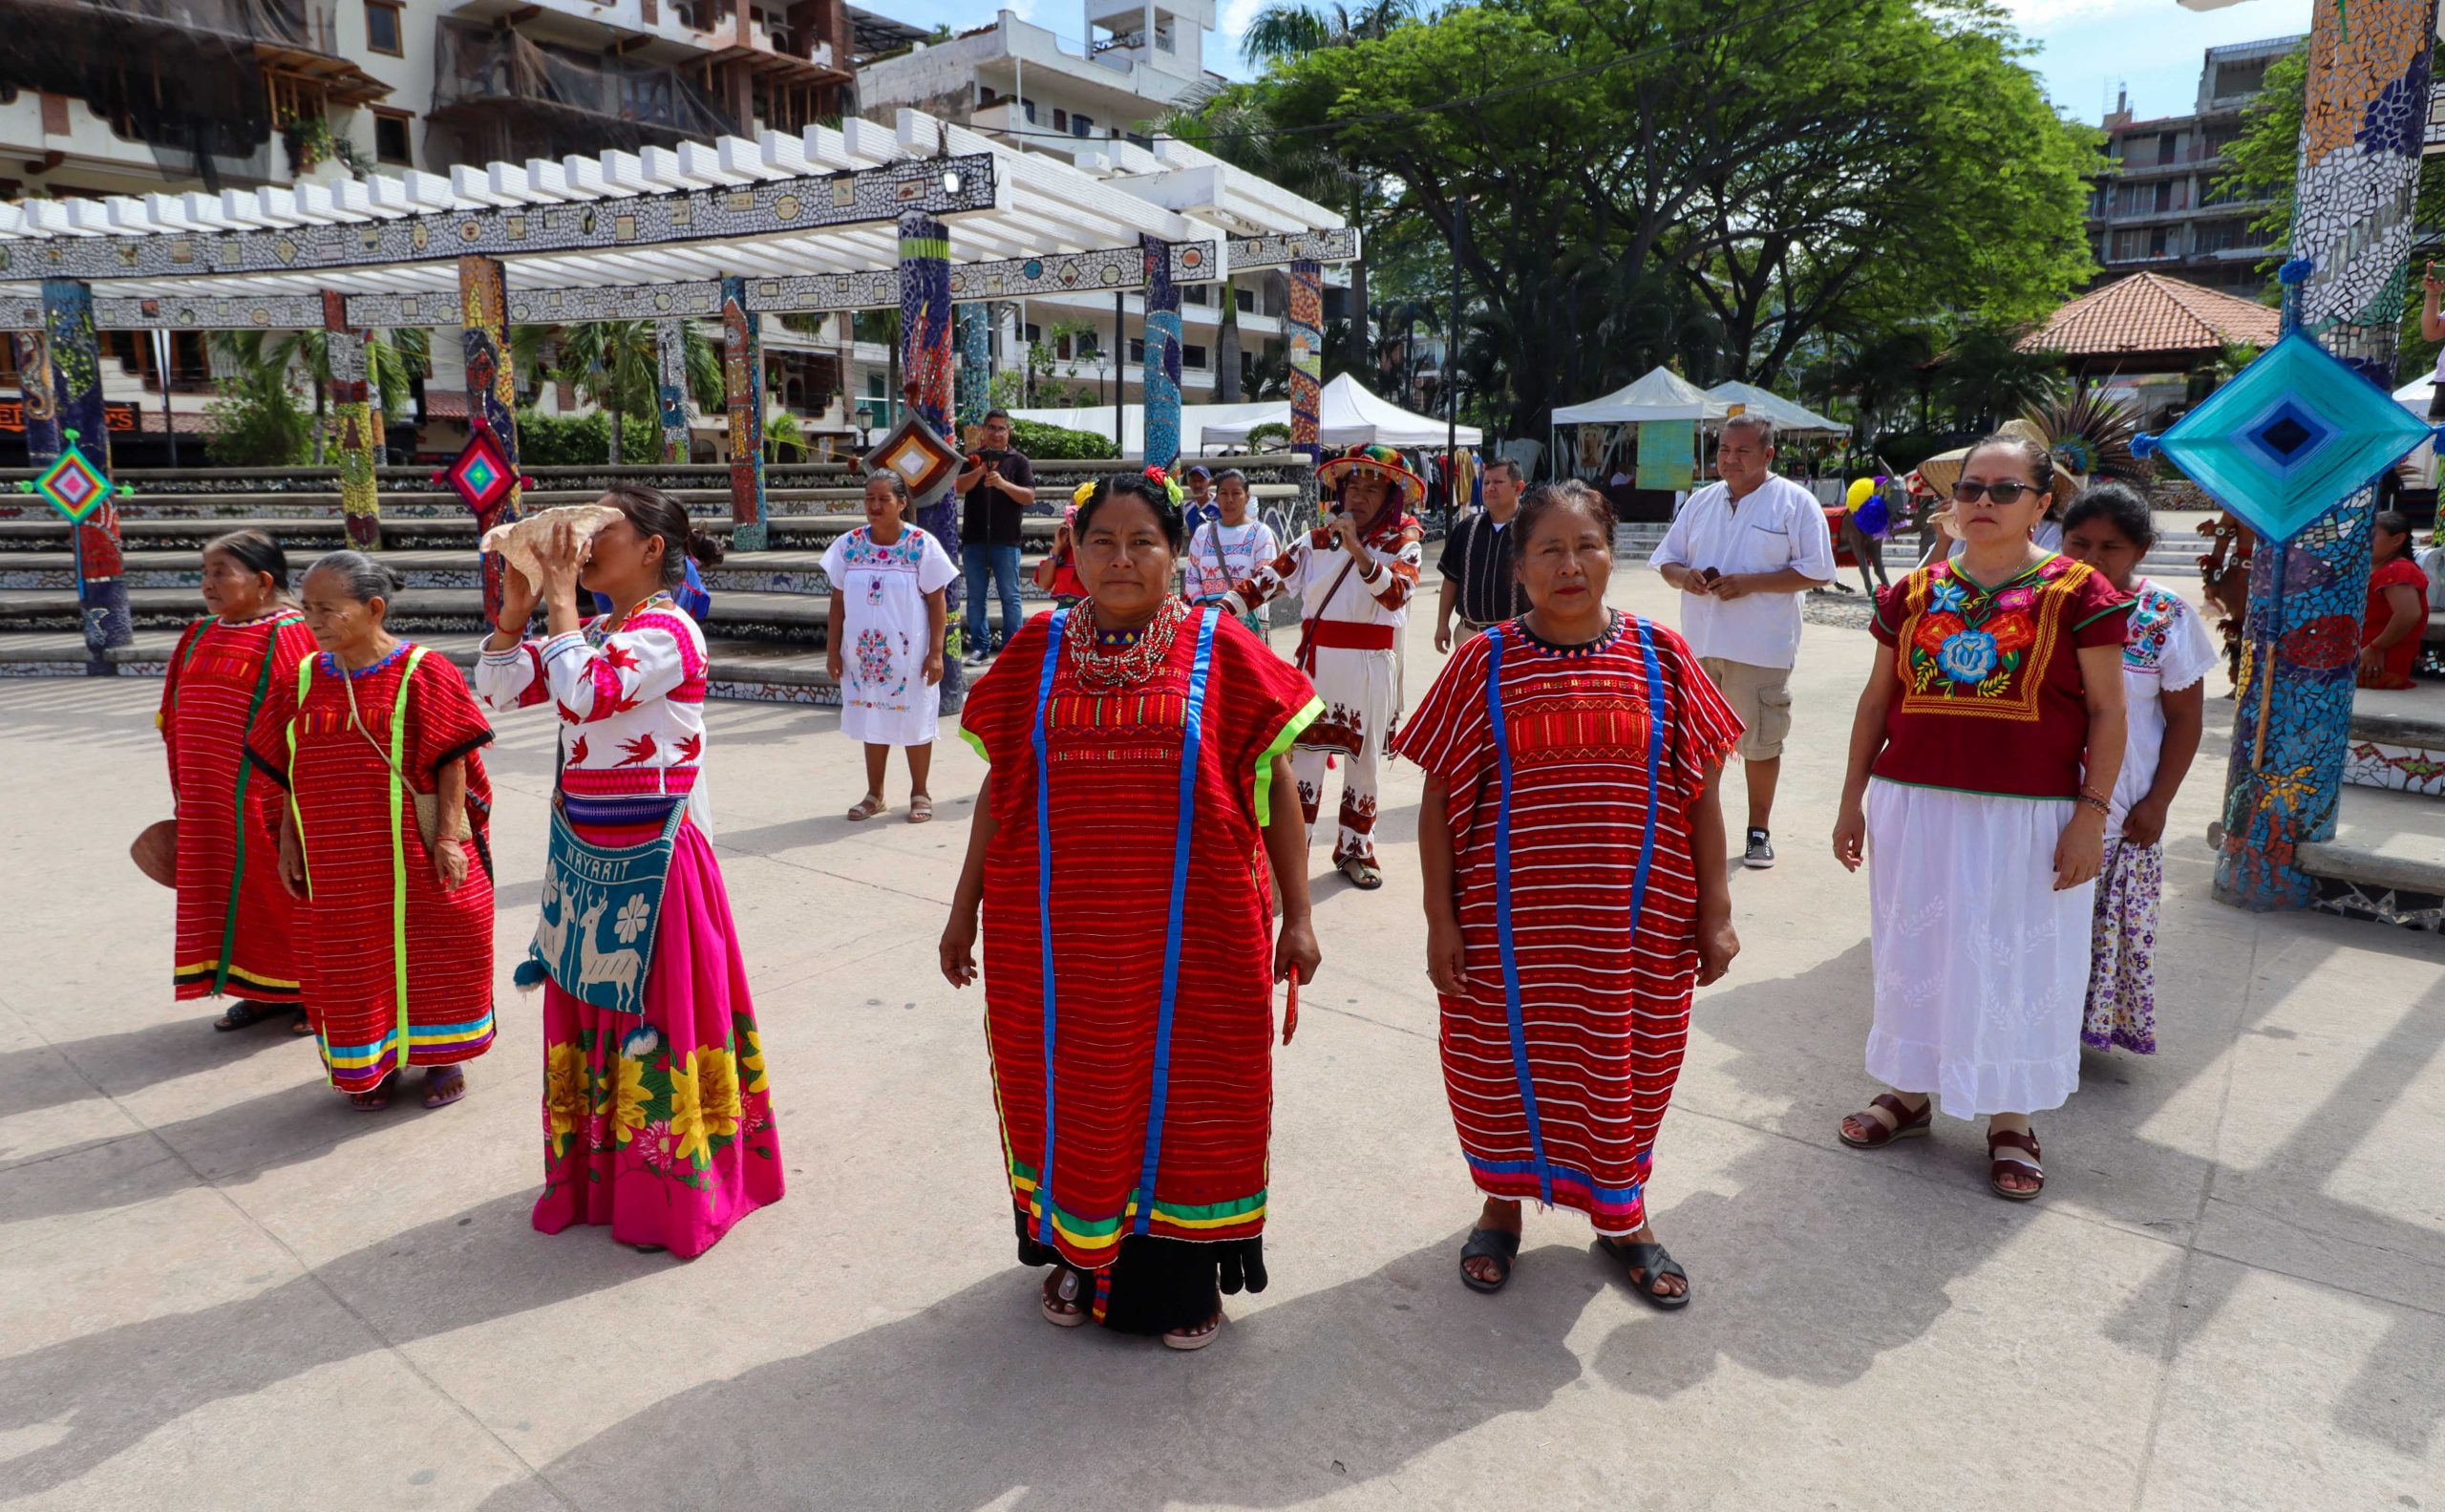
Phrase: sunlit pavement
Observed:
(221, 1288)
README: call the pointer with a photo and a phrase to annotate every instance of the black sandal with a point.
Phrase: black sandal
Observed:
(1502, 1246)
(1652, 1260)
(244, 1013)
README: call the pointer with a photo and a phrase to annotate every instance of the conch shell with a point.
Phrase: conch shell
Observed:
(516, 542)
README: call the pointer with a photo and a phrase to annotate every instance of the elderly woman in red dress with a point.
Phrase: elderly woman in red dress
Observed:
(1576, 890)
(1138, 752)
(378, 745)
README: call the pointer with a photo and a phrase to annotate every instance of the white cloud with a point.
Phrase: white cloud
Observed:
(1237, 16)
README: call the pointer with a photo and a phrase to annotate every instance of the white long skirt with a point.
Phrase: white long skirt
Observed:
(1981, 965)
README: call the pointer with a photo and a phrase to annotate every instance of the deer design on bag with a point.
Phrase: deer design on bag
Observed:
(618, 967)
(552, 928)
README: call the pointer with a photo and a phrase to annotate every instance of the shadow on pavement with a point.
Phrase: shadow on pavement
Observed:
(974, 1401)
(105, 1391)
(32, 1078)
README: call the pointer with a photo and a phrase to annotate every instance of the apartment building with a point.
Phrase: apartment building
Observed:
(2159, 207)
(168, 97)
(1091, 100)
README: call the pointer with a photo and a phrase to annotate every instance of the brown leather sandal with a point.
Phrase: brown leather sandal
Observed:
(1906, 1123)
(2014, 1139)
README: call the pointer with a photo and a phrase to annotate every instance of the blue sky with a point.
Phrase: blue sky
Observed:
(2085, 47)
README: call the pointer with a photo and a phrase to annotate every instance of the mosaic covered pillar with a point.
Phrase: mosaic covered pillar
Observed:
(1305, 331)
(76, 398)
(1159, 371)
(743, 392)
(925, 365)
(2359, 176)
(975, 382)
(356, 433)
(41, 406)
(925, 379)
(671, 386)
(492, 395)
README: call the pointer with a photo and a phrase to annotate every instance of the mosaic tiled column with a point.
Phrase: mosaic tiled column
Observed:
(492, 393)
(670, 385)
(743, 392)
(356, 434)
(926, 376)
(2359, 173)
(77, 396)
(975, 381)
(40, 404)
(1305, 331)
(1159, 371)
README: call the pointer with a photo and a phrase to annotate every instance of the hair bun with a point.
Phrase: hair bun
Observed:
(705, 548)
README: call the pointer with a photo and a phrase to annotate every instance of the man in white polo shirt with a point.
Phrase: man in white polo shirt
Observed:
(1744, 550)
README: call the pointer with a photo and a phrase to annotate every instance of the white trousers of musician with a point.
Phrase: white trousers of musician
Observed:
(1362, 696)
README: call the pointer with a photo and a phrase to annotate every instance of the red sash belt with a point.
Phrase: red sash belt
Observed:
(1349, 636)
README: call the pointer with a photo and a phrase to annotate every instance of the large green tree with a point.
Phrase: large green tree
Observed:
(1722, 183)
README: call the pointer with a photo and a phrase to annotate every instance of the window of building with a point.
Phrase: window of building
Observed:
(1194, 294)
(1027, 107)
(1136, 351)
(391, 140)
(1034, 334)
(2168, 144)
(1081, 125)
(1246, 299)
(382, 26)
(1060, 122)
(1193, 358)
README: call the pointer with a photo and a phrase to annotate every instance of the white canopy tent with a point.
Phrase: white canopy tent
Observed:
(1196, 421)
(2414, 396)
(1348, 414)
(1790, 419)
(1662, 395)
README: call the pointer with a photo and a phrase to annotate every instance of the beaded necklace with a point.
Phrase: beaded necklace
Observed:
(599, 629)
(1109, 661)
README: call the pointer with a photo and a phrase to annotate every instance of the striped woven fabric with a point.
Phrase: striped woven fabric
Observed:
(1562, 1105)
(1114, 810)
(376, 916)
(233, 929)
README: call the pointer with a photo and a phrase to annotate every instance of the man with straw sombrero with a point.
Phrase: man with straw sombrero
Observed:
(1353, 576)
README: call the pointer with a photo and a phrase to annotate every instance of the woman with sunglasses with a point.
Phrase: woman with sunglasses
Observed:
(1982, 770)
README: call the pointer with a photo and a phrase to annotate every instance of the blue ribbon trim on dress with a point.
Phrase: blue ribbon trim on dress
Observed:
(1044, 906)
(1512, 1010)
(1192, 738)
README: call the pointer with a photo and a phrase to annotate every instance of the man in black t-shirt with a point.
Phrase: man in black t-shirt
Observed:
(1477, 562)
(997, 486)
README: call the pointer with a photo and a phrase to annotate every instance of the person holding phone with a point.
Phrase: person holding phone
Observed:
(2431, 328)
(997, 487)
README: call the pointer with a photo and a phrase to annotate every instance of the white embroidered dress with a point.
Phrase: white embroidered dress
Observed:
(885, 698)
(632, 704)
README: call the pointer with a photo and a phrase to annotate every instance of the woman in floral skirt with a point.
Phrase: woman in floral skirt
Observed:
(657, 1118)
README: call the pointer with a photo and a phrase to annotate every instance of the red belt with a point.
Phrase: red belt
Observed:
(1349, 635)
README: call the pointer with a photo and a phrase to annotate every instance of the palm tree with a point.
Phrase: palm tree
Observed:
(616, 365)
(1987, 375)
(1295, 31)
(392, 360)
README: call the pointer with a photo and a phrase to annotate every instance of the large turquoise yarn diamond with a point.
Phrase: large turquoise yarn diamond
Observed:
(2291, 436)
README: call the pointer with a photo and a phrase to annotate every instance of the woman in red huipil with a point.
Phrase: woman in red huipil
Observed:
(377, 742)
(1118, 857)
(234, 917)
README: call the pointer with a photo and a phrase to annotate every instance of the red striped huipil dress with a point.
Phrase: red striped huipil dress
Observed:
(377, 921)
(1113, 804)
(234, 916)
(1557, 1087)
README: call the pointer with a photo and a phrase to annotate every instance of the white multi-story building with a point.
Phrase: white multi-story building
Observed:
(171, 96)
(1090, 101)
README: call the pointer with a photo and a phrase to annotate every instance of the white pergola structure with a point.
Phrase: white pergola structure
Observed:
(919, 215)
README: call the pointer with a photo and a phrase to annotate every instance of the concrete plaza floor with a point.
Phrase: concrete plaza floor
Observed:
(220, 1287)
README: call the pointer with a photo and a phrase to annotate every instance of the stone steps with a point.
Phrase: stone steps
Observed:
(755, 671)
(2398, 742)
(2386, 863)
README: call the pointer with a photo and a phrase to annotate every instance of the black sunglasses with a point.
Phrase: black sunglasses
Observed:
(1967, 491)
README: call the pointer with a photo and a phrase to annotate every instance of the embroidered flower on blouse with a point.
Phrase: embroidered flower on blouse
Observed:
(632, 920)
(1948, 597)
(1968, 657)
